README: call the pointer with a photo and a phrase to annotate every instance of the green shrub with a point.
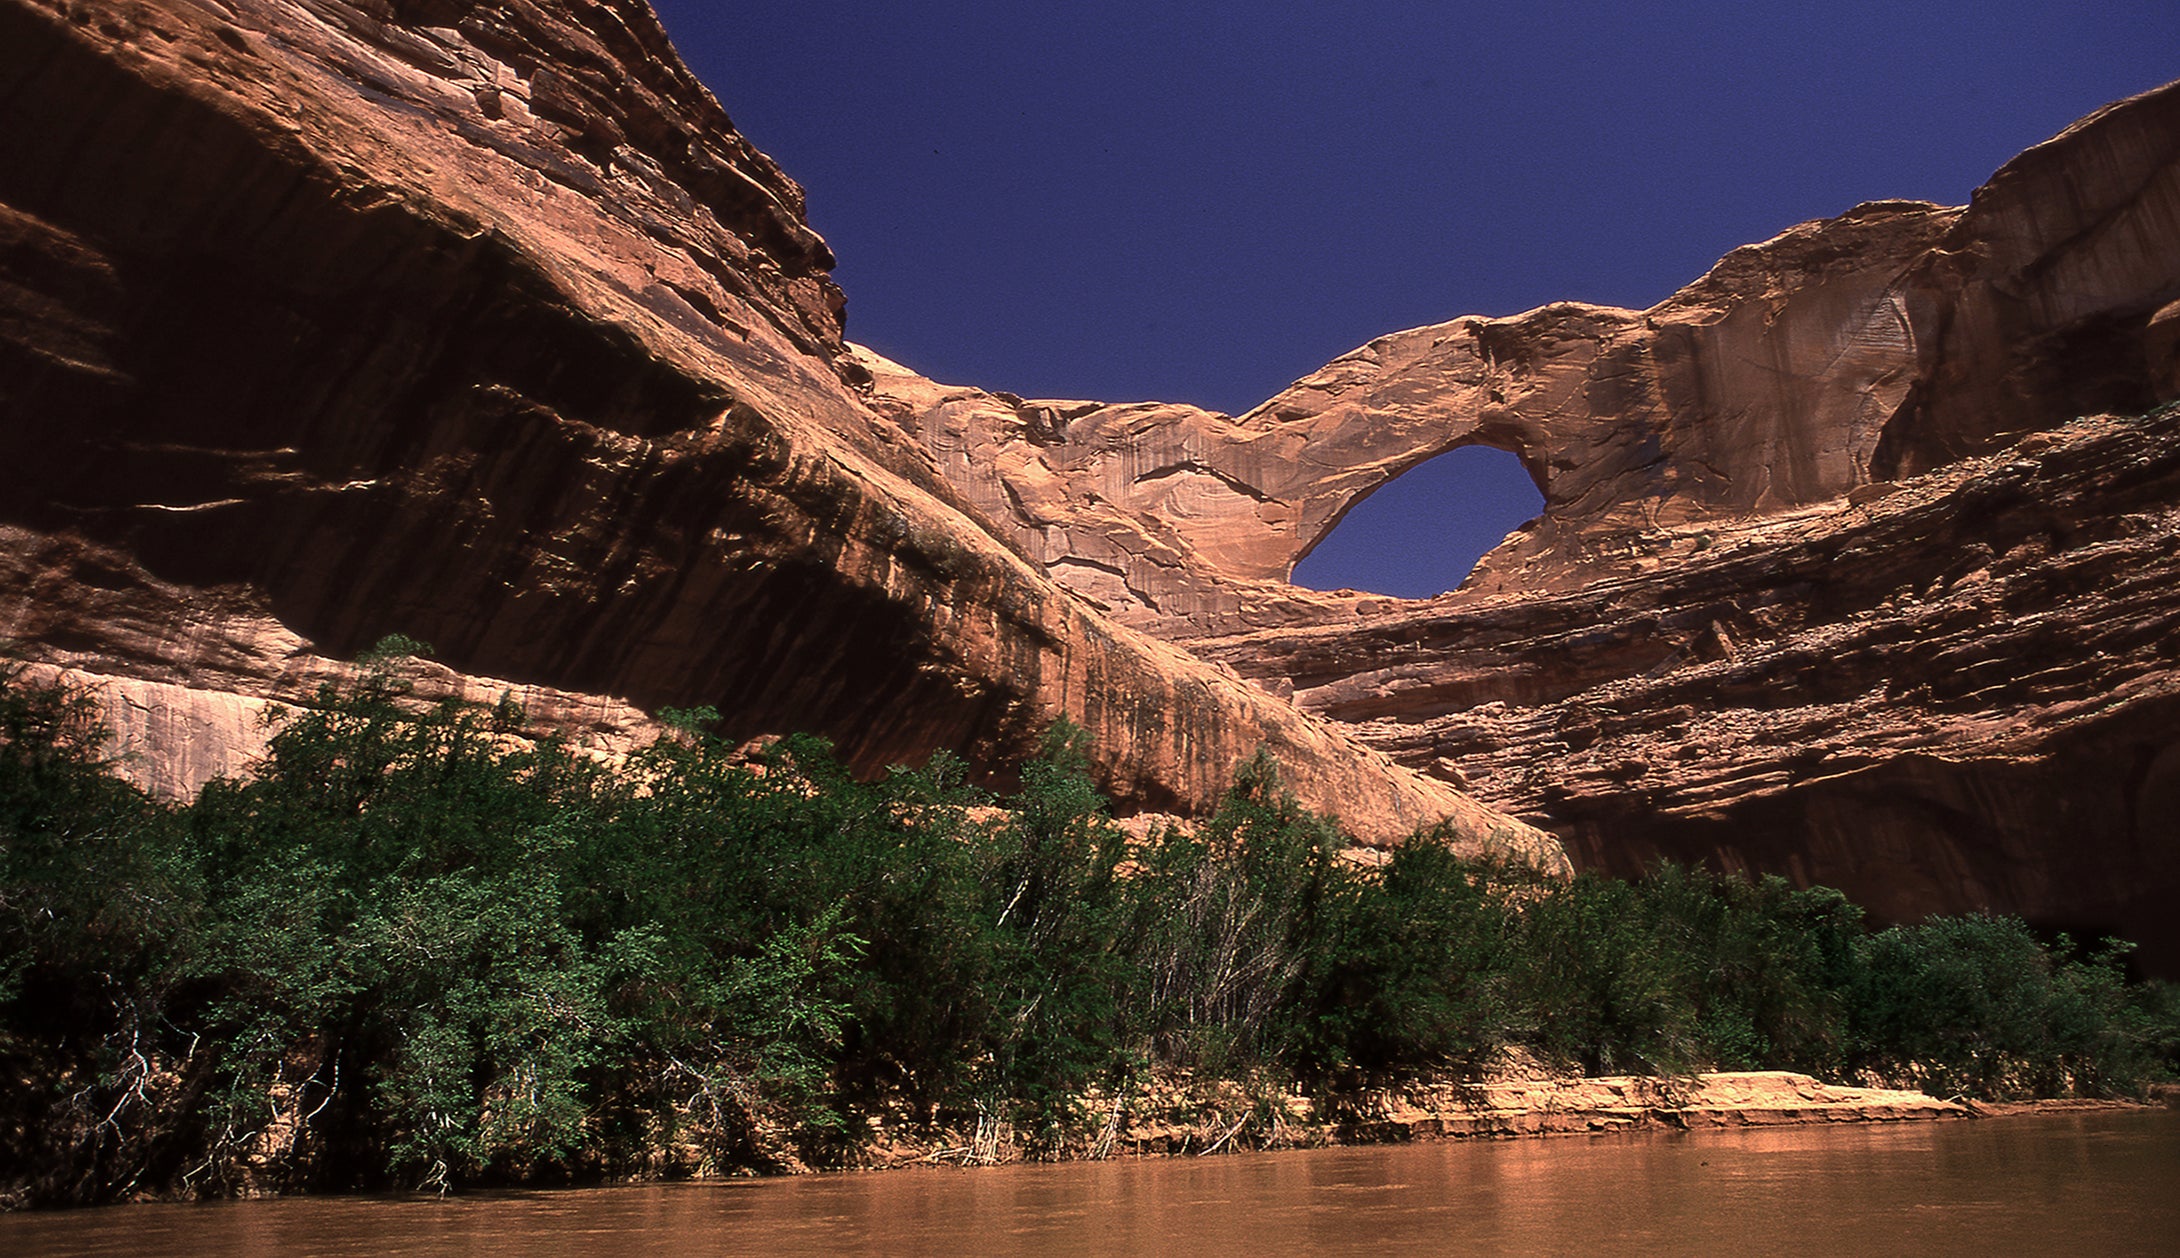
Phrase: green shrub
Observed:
(416, 947)
(1224, 921)
(1977, 1006)
(1413, 972)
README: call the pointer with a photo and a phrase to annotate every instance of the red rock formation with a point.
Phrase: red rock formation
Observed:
(1826, 583)
(1959, 695)
(479, 323)
(1889, 340)
(1765, 385)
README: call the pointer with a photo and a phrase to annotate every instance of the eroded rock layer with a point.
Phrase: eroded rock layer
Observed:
(480, 324)
(1955, 696)
(1828, 581)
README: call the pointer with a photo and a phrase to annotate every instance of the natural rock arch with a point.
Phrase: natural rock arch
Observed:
(1421, 531)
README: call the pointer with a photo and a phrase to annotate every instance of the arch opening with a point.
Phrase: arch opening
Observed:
(1422, 533)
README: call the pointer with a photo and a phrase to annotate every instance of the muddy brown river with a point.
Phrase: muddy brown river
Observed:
(2105, 1183)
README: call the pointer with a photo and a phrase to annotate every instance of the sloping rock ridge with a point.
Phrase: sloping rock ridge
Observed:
(479, 323)
(1856, 562)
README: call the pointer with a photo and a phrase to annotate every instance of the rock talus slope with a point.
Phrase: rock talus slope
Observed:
(321, 320)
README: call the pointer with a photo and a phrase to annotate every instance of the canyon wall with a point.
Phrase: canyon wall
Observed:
(1831, 579)
(478, 323)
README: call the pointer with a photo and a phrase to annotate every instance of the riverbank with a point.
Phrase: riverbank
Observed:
(410, 953)
(1174, 1119)
(1761, 1098)
(2091, 1183)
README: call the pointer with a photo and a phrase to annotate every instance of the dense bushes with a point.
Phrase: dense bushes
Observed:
(416, 947)
(1978, 1006)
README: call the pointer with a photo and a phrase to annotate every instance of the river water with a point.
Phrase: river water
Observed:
(2104, 1184)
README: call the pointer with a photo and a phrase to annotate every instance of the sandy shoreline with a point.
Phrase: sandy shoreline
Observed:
(1174, 1122)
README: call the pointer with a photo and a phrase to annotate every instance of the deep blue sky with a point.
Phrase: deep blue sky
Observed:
(1422, 533)
(1199, 202)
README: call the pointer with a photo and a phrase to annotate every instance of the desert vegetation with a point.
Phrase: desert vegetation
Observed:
(420, 947)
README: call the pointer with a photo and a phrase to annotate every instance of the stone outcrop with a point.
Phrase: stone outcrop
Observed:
(1541, 1107)
(327, 319)
(1958, 695)
(479, 323)
(1828, 581)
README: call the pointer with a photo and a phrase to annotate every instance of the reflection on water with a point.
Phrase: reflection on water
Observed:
(2103, 1184)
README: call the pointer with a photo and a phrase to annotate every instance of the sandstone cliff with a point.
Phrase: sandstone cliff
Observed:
(1828, 581)
(1887, 341)
(479, 323)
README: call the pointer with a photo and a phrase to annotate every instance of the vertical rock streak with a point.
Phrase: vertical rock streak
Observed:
(479, 323)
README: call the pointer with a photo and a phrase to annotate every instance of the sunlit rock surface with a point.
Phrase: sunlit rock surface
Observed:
(479, 323)
(1829, 582)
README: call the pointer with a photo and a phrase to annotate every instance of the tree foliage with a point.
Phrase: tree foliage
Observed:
(417, 946)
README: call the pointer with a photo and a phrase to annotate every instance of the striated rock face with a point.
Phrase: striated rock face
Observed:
(479, 323)
(1887, 341)
(1828, 582)
(1960, 695)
